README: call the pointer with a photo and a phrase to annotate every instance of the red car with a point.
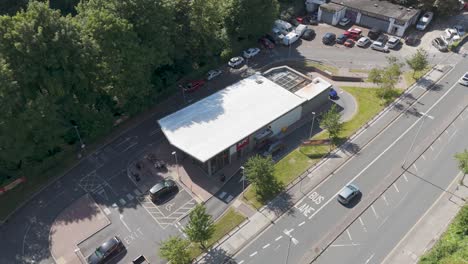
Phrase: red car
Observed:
(353, 33)
(266, 43)
(349, 43)
(192, 86)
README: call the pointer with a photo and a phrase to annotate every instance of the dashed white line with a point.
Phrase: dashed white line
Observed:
(278, 238)
(396, 188)
(288, 232)
(362, 224)
(240, 262)
(265, 246)
(369, 259)
(349, 234)
(404, 176)
(422, 156)
(414, 165)
(294, 241)
(450, 138)
(432, 148)
(373, 210)
(385, 199)
(301, 223)
(253, 254)
(346, 245)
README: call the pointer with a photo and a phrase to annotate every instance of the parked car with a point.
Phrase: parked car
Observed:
(305, 20)
(440, 44)
(348, 193)
(290, 38)
(278, 34)
(266, 43)
(393, 42)
(374, 33)
(140, 260)
(349, 43)
(424, 21)
(283, 25)
(192, 86)
(379, 46)
(382, 38)
(236, 61)
(332, 94)
(450, 35)
(341, 39)
(252, 52)
(464, 79)
(412, 39)
(270, 38)
(309, 34)
(460, 30)
(162, 190)
(329, 39)
(353, 33)
(107, 250)
(213, 74)
(273, 148)
(344, 21)
(363, 42)
(300, 29)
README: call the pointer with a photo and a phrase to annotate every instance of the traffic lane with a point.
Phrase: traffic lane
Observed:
(425, 185)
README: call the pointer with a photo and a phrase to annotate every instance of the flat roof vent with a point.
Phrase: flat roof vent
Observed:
(259, 81)
(376, 5)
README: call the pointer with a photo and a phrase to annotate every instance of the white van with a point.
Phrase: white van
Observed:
(300, 29)
(283, 25)
(290, 38)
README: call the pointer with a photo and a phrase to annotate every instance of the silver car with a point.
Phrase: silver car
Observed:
(464, 79)
(379, 46)
(213, 74)
(348, 193)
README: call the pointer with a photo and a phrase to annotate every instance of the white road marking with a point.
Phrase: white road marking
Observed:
(404, 176)
(288, 232)
(137, 192)
(432, 148)
(450, 138)
(294, 241)
(373, 210)
(122, 201)
(303, 222)
(278, 238)
(221, 196)
(362, 224)
(385, 199)
(425, 114)
(253, 254)
(414, 165)
(422, 156)
(265, 246)
(446, 132)
(349, 234)
(369, 259)
(276, 248)
(107, 211)
(396, 188)
(229, 199)
(114, 205)
(125, 224)
(129, 197)
(346, 245)
(383, 222)
(240, 262)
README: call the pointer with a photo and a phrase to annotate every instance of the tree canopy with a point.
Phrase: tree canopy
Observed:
(200, 227)
(175, 250)
(259, 171)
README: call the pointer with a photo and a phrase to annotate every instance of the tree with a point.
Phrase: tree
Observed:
(447, 7)
(386, 78)
(200, 227)
(259, 171)
(175, 250)
(418, 61)
(331, 122)
(462, 159)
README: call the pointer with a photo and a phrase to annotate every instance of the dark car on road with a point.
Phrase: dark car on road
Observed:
(106, 251)
(273, 148)
(341, 39)
(192, 86)
(163, 190)
(348, 193)
(374, 33)
(329, 39)
(309, 34)
(412, 39)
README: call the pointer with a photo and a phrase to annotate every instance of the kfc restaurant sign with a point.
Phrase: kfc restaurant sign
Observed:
(242, 144)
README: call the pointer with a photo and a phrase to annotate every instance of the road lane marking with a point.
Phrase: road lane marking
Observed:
(385, 199)
(125, 224)
(373, 210)
(107, 211)
(396, 188)
(265, 246)
(276, 248)
(278, 238)
(369, 259)
(414, 165)
(137, 192)
(432, 148)
(424, 158)
(383, 222)
(294, 241)
(288, 232)
(349, 234)
(253, 254)
(404, 177)
(450, 138)
(240, 262)
(362, 224)
(303, 222)
(346, 245)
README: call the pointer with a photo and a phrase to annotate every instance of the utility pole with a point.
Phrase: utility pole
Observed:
(312, 127)
(412, 143)
(243, 180)
(82, 145)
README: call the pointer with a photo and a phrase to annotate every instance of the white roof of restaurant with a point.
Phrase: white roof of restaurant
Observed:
(219, 121)
(316, 87)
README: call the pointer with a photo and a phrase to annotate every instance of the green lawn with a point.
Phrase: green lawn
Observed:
(359, 70)
(224, 225)
(452, 248)
(322, 67)
(409, 79)
(300, 159)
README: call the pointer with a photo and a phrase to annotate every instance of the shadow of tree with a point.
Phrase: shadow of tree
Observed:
(351, 148)
(216, 256)
(281, 204)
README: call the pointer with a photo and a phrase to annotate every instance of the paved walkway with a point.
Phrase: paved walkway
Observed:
(267, 215)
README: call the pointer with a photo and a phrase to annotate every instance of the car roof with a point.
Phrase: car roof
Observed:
(108, 244)
(329, 34)
(378, 43)
(157, 187)
(346, 192)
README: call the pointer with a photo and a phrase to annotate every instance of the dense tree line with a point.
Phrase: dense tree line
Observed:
(109, 58)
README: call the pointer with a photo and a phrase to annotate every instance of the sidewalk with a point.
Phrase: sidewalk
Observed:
(427, 231)
(267, 215)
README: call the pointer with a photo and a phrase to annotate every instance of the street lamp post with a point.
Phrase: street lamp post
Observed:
(177, 164)
(243, 180)
(289, 247)
(183, 95)
(312, 127)
(82, 145)
(289, 50)
(412, 143)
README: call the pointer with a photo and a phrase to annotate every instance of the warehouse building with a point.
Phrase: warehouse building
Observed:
(239, 119)
(388, 17)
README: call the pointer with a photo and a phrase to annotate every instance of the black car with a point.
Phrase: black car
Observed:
(108, 249)
(270, 38)
(374, 33)
(163, 189)
(309, 34)
(341, 39)
(329, 39)
(412, 40)
(382, 38)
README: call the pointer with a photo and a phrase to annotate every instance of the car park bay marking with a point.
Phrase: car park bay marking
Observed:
(123, 222)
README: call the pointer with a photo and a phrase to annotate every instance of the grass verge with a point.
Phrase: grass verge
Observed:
(323, 67)
(300, 159)
(359, 70)
(224, 225)
(453, 244)
(411, 78)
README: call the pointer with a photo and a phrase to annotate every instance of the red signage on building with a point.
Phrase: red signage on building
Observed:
(242, 143)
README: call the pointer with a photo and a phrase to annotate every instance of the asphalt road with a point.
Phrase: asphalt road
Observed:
(292, 239)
